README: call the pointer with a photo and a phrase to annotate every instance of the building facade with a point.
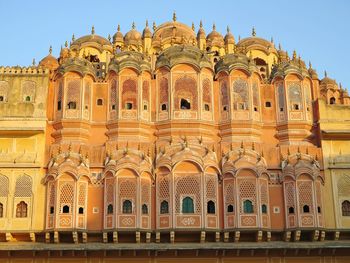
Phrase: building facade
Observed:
(170, 137)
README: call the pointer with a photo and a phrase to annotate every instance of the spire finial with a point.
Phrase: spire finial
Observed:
(193, 28)
(201, 24)
(133, 25)
(310, 66)
(174, 16)
(33, 62)
(66, 43)
(253, 32)
(92, 30)
(294, 55)
(272, 40)
(214, 27)
(109, 37)
(239, 38)
(50, 50)
(146, 22)
(118, 28)
(325, 74)
(228, 29)
(154, 26)
(279, 46)
(73, 37)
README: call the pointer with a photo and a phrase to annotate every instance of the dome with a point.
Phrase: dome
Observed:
(215, 38)
(201, 32)
(328, 81)
(64, 51)
(229, 39)
(118, 36)
(147, 32)
(49, 61)
(173, 33)
(91, 38)
(133, 37)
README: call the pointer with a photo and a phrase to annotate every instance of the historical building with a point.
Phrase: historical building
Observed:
(173, 143)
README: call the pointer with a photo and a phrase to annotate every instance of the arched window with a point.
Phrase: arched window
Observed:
(164, 207)
(144, 209)
(332, 100)
(52, 210)
(248, 207)
(264, 209)
(72, 105)
(110, 209)
(291, 210)
(230, 209)
(345, 208)
(306, 209)
(1, 210)
(28, 99)
(187, 205)
(211, 207)
(99, 102)
(185, 104)
(127, 207)
(65, 209)
(81, 210)
(21, 209)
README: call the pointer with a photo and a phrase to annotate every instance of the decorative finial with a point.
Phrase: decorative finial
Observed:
(272, 40)
(228, 29)
(146, 22)
(201, 24)
(133, 25)
(73, 38)
(118, 28)
(239, 38)
(253, 32)
(50, 50)
(279, 46)
(66, 43)
(109, 37)
(193, 28)
(174, 16)
(33, 62)
(154, 26)
(92, 30)
(325, 74)
(214, 27)
(310, 66)
(294, 55)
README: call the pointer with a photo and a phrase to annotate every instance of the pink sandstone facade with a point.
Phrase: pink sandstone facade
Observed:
(172, 137)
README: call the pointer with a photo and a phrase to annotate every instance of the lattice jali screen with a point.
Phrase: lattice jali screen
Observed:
(113, 94)
(289, 193)
(247, 190)
(87, 94)
(129, 93)
(109, 191)
(73, 92)
(224, 93)
(240, 93)
(4, 186)
(145, 91)
(344, 185)
(66, 195)
(211, 184)
(206, 91)
(23, 186)
(186, 87)
(294, 94)
(163, 187)
(82, 194)
(255, 89)
(188, 185)
(318, 193)
(145, 191)
(280, 93)
(4, 88)
(163, 94)
(229, 192)
(127, 190)
(28, 89)
(305, 195)
(52, 194)
(264, 192)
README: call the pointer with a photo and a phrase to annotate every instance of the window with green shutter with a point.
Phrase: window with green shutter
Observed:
(187, 205)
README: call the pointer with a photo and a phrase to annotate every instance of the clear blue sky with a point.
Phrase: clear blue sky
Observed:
(317, 30)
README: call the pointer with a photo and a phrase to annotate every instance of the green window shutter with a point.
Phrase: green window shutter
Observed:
(187, 205)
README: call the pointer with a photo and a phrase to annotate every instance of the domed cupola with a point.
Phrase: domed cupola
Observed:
(64, 54)
(133, 38)
(118, 37)
(229, 42)
(147, 32)
(215, 39)
(49, 61)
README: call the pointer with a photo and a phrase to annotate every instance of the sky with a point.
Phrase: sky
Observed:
(317, 30)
